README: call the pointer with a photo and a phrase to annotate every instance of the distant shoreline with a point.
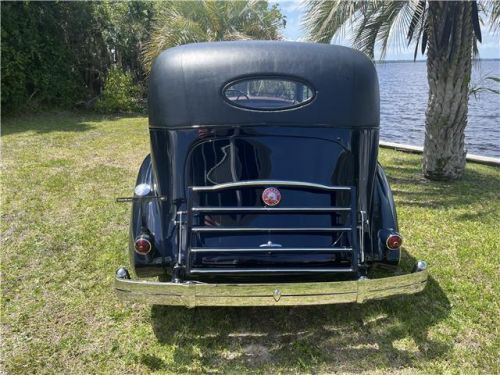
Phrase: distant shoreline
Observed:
(480, 159)
(381, 62)
(403, 103)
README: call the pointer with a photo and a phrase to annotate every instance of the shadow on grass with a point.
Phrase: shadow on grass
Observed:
(385, 334)
(56, 122)
(46, 123)
(411, 189)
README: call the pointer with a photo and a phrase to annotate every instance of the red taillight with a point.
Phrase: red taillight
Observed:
(142, 245)
(394, 241)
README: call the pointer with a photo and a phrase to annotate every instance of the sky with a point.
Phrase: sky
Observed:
(292, 9)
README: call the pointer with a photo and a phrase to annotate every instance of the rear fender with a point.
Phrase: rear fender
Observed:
(384, 220)
(148, 217)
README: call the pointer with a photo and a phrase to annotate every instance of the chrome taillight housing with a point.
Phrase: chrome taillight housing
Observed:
(394, 241)
(142, 244)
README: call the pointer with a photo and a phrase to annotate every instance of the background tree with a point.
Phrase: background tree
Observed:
(447, 30)
(35, 63)
(182, 22)
(62, 54)
(58, 54)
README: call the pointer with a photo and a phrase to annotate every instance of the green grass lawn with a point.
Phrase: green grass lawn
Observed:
(63, 237)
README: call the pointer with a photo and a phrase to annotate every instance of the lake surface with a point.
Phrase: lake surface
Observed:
(403, 100)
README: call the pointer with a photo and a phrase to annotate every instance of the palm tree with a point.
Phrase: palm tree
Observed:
(447, 30)
(181, 22)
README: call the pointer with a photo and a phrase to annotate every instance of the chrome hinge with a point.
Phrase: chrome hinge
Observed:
(363, 218)
(180, 217)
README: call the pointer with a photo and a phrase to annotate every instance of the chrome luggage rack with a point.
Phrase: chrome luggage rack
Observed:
(189, 231)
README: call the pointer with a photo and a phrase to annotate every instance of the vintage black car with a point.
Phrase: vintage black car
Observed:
(262, 186)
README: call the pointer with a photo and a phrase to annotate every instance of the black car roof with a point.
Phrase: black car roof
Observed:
(186, 84)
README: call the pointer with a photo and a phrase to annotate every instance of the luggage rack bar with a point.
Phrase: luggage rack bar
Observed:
(269, 270)
(269, 210)
(288, 184)
(270, 249)
(245, 229)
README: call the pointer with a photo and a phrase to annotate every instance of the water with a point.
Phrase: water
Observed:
(403, 100)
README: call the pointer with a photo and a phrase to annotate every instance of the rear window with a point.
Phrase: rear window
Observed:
(268, 94)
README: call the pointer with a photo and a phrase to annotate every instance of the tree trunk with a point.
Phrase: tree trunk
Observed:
(449, 59)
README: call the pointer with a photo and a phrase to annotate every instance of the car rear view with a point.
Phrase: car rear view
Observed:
(262, 186)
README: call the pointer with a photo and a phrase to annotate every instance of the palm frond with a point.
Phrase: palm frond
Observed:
(176, 30)
(236, 35)
(384, 22)
(492, 10)
(416, 20)
(421, 32)
(181, 22)
(395, 23)
(475, 21)
(324, 19)
(375, 23)
(425, 36)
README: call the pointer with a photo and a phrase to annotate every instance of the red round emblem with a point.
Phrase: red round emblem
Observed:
(271, 196)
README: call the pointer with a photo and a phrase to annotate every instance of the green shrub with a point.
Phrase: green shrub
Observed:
(37, 68)
(120, 93)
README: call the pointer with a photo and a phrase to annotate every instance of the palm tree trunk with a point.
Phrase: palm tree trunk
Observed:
(449, 58)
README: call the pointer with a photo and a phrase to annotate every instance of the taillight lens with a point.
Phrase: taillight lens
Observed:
(143, 245)
(394, 241)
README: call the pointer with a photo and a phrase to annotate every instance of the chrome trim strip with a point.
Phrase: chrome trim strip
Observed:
(311, 293)
(269, 249)
(179, 234)
(139, 199)
(232, 185)
(362, 236)
(269, 209)
(243, 229)
(268, 270)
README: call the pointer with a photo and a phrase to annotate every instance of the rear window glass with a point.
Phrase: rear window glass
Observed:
(268, 94)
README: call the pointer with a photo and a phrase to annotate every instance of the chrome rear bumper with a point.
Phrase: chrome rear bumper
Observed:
(192, 294)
